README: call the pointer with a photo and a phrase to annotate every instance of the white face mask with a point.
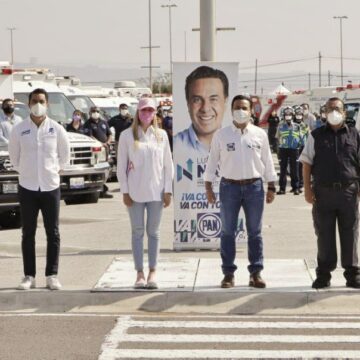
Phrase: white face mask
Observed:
(299, 117)
(38, 110)
(95, 115)
(288, 117)
(241, 116)
(123, 112)
(335, 118)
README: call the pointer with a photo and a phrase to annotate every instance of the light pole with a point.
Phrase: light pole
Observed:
(12, 43)
(169, 6)
(341, 18)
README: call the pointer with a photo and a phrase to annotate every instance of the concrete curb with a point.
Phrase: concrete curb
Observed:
(252, 302)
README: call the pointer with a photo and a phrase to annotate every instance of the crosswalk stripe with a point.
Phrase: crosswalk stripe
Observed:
(246, 324)
(239, 339)
(227, 354)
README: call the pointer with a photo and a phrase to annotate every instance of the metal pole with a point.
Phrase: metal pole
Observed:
(256, 74)
(12, 44)
(185, 45)
(328, 77)
(170, 44)
(150, 48)
(341, 18)
(320, 69)
(309, 81)
(207, 30)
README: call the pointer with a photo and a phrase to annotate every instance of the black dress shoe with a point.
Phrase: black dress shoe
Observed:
(281, 192)
(228, 281)
(296, 192)
(353, 282)
(106, 195)
(321, 283)
(256, 281)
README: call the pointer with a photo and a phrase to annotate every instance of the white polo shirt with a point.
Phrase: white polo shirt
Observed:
(39, 153)
(145, 170)
(7, 125)
(240, 155)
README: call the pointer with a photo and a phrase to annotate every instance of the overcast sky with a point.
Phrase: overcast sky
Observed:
(110, 33)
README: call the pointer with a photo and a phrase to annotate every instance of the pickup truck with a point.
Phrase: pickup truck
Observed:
(80, 182)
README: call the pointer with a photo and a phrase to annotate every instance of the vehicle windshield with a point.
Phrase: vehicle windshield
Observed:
(81, 102)
(22, 110)
(109, 112)
(60, 108)
(352, 110)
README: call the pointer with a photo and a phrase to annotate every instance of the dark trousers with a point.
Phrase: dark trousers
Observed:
(289, 156)
(273, 141)
(336, 206)
(48, 202)
(300, 166)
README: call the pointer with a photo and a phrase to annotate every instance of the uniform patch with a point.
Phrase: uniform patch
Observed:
(25, 132)
(230, 147)
(51, 131)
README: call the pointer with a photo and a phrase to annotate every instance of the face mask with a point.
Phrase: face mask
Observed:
(335, 118)
(123, 112)
(8, 110)
(146, 117)
(288, 118)
(298, 117)
(77, 118)
(38, 110)
(241, 116)
(95, 115)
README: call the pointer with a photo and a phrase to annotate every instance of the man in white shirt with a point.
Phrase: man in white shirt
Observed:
(242, 152)
(309, 118)
(10, 119)
(39, 148)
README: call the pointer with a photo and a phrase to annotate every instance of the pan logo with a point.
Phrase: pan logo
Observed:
(209, 225)
(182, 172)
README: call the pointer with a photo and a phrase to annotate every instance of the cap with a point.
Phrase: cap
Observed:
(146, 102)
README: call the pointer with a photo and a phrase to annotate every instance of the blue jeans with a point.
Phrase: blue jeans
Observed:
(137, 215)
(232, 198)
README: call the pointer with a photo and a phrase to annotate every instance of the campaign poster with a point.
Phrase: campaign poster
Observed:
(202, 94)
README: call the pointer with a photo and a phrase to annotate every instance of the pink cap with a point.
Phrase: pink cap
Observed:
(146, 102)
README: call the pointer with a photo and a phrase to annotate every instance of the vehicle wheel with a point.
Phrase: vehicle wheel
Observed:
(10, 219)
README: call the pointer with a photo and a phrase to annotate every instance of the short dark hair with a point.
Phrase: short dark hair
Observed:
(241, 97)
(5, 101)
(39, 91)
(335, 99)
(203, 72)
(302, 105)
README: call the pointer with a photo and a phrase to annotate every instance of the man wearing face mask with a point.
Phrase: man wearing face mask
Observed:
(273, 122)
(242, 153)
(304, 133)
(9, 121)
(289, 138)
(321, 120)
(121, 122)
(309, 118)
(99, 129)
(331, 157)
(39, 148)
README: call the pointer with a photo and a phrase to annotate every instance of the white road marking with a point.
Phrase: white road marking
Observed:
(246, 325)
(151, 338)
(111, 343)
(229, 354)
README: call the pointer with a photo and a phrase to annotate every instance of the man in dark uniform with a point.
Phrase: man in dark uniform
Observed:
(99, 130)
(121, 121)
(332, 156)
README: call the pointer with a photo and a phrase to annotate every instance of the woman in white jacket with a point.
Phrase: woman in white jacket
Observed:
(145, 173)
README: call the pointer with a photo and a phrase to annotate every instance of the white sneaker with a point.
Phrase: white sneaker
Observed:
(28, 282)
(53, 283)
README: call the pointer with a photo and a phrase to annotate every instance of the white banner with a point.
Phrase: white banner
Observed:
(202, 94)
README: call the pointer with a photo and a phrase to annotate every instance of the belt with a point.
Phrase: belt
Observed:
(241, 182)
(336, 185)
